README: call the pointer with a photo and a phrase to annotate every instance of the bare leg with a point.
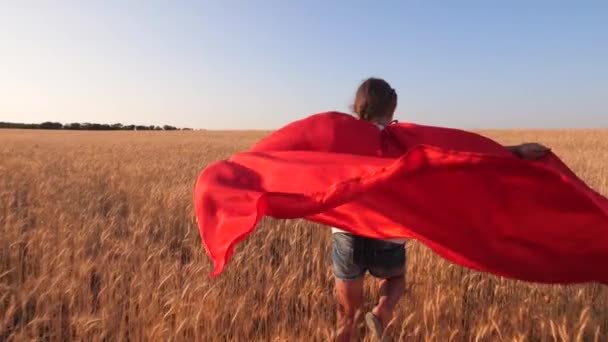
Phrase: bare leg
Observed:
(391, 290)
(349, 299)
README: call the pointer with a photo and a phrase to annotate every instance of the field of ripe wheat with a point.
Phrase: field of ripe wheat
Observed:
(98, 242)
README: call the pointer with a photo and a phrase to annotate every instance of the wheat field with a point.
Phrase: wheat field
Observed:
(99, 243)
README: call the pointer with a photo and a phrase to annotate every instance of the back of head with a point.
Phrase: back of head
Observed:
(375, 101)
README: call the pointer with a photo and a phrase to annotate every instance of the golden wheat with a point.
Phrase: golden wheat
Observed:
(99, 243)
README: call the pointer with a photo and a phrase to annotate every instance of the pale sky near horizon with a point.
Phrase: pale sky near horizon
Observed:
(262, 64)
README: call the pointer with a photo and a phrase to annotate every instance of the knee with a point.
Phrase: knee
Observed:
(347, 315)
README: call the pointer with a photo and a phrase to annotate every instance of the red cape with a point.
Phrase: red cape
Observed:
(463, 195)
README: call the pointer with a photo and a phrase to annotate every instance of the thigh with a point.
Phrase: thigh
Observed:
(349, 294)
(349, 302)
(344, 257)
(387, 260)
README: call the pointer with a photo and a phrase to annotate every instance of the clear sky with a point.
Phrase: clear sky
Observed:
(262, 64)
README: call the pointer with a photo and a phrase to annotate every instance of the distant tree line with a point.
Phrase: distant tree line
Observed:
(90, 126)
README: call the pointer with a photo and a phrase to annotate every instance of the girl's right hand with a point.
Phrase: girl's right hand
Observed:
(531, 151)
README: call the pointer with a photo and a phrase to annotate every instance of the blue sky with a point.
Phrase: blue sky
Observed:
(262, 64)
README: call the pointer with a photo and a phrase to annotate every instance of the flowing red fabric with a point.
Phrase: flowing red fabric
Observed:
(463, 195)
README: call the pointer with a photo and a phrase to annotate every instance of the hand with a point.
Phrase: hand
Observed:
(531, 151)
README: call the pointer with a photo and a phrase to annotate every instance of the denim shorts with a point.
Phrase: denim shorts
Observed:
(353, 255)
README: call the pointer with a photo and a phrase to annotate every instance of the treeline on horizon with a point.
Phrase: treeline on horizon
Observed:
(75, 126)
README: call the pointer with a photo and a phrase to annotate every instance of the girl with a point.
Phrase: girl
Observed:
(352, 256)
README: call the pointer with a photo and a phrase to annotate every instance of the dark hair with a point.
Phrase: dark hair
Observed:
(375, 99)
